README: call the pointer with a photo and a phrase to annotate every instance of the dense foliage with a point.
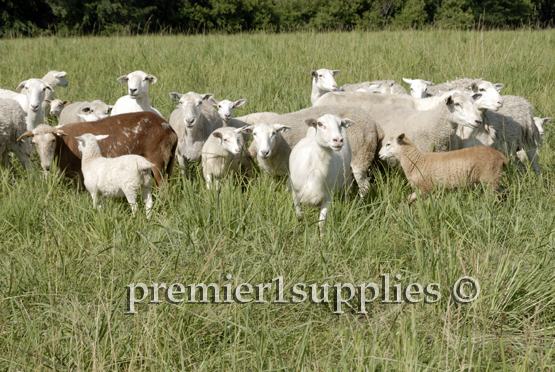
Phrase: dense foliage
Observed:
(137, 16)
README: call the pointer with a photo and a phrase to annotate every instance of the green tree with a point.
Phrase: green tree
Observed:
(452, 14)
(412, 14)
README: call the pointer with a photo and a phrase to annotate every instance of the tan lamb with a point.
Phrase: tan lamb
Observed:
(461, 168)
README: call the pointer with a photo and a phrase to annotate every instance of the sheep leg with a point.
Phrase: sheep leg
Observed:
(23, 158)
(208, 182)
(411, 198)
(362, 182)
(183, 164)
(298, 209)
(94, 194)
(6, 161)
(323, 214)
(533, 158)
(147, 198)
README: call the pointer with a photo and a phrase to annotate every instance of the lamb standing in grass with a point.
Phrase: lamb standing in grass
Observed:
(114, 177)
(12, 125)
(540, 122)
(270, 148)
(224, 151)
(226, 107)
(466, 167)
(319, 165)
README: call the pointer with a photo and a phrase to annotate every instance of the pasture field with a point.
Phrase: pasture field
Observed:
(64, 267)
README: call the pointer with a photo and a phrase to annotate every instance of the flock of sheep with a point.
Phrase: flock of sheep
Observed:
(454, 134)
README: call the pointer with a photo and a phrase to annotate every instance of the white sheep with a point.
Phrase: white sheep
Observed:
(193, 120)
(92, 116)
(540, 122)
(418, 87)
(31, 101)
(226, 107)
(364, 138)
(54, 79)
(56, 106)
(224, 151)
(270, 148)
(137, 100)
(453, 169)
(318, 166)
(490, 100)
(70, 114)
(12, 126)
(114, 177)
(322, 83)
(376, 86)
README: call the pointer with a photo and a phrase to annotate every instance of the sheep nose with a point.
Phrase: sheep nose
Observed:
(34, 107)
(264, 153)
(190, 121)
(47, 168)
(131, 91)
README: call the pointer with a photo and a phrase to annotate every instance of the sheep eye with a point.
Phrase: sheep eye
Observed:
(482, 90)
(458, 104)
(319, 124)
(225, 139)
(319, 75)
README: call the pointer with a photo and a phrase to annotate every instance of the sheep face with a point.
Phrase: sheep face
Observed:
(60, 77)
(540, 122)
(323, 79)
(56, 106)
(328, 130)
(89, 141)
(225, 107)
(99, 108)
(35, 92)
(418, 87)
(490, 99)
(191, 106)
(392, 148)
(44, 140)
(137, 83)
(463, 110)
(264, 138)
(231, 139)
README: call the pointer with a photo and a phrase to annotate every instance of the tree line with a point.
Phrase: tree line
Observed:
(105, 17)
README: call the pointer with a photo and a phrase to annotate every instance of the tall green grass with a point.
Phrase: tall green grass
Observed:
(64, 266)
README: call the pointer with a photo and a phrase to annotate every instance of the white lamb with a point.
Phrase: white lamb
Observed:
(12, 126)
(318, 165)
(31, 101)
(224, 151)
(226, 107)
(56, 106)
(137, 100)
(70, 114)
(322, 83)
(540, 122)
(418, 87)
(270, 148)
(114, 177)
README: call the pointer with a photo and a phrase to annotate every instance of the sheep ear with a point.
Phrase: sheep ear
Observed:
(449, 101)
(21, 85)
(335, 72)
(61, 74)
(48, 101)
(477, 96)
(246, 128)
(346, 123)
(217, 134)
(65, 103)
(207, 96)
(49, 87)
(474, 87)
(86, 109)
(240, 102)
(408, 81)
(123, 79)
(214, 101)
(176, 96)
(311, 122)
(80, 140)
(400, 137)
(429, 83)
(110, 107)
(101, 137)
(313, 73)
(151, 79)
(281, 128)
(546, 120)
(59, 132)
(498, 86)
(27, 134)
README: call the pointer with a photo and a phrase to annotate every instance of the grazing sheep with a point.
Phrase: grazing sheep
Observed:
(466, 167)
(31, 101)
(139, 133)
(318, 166)
(137, 100)
(363, 137)
(56, 106)
(490, 100)
(193, 120)
(322, 83)
(224, 151)
(418, 87)
(12, 125)
(114, 177)
(433, 130)
(377, 86)
(225, 108)
(540, 122)
(70, 114)
(270, 149)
